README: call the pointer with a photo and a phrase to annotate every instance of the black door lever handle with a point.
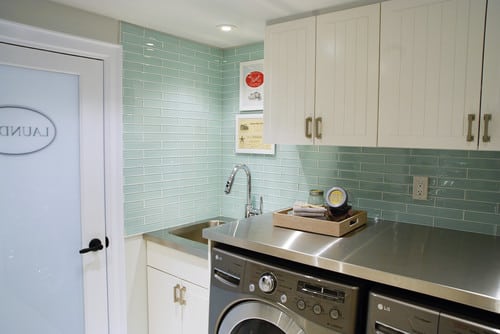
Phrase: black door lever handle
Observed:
(94, 246)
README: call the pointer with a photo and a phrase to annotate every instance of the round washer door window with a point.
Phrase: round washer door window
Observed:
(255, 317)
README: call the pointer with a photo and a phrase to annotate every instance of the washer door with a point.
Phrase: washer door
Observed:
(257, 317)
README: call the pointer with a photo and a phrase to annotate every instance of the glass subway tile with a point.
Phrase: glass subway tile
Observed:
(188, 138)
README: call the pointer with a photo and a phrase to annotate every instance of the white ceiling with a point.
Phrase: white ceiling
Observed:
(197, 19)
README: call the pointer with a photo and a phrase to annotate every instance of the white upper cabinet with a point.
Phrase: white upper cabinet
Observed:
(322, 79)
(430, 73)
(289, 64)
(347, 64)
(489, 137)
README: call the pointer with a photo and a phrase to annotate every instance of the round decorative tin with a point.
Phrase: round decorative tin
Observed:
(336, 199)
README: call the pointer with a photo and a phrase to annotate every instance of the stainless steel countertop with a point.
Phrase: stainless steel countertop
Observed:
(457, 266)
(166, 238)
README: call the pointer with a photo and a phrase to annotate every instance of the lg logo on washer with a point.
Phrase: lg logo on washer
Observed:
(24, 130)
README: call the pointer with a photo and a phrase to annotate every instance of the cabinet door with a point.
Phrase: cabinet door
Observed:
(164, 315)
(430, 72)
(195, 312)
(490, 104)
(289, 64)
(347, 62)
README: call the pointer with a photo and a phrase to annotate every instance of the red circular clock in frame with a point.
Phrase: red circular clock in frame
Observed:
(255, 79)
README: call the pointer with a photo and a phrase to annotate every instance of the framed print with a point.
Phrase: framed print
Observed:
(249, 134)
(252, 85)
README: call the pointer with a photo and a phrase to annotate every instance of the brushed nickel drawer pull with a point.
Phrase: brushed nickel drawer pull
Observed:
(487, 119)
(308, 127)
(183, 295)
(318, 125)
(177, 291)
(470, 118)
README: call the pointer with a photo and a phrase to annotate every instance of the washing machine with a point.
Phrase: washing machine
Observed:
(249, 294)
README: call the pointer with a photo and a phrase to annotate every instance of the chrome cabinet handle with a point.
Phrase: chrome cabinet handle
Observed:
(487, 119)
(308, 127)
(318, 125)
(177, 293)
(470, 119)
(183, 294)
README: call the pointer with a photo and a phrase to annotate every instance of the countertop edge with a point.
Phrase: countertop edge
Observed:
(181, 245)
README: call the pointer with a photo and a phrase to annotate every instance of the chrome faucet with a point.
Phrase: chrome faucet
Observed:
(249, 209)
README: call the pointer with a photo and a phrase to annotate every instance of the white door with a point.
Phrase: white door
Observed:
(51, 193)
(347, 62)
(165, 313)
(196, 307)
(430, 72)
(289, 64)
(489, 136)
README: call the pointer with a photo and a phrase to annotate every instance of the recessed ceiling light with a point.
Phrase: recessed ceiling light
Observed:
(226, 27)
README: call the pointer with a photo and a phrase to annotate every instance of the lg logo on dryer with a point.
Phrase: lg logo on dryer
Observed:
(382, 307)
(24, 130)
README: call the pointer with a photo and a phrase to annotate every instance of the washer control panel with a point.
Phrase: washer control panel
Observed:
(325, 302)
(267, 282)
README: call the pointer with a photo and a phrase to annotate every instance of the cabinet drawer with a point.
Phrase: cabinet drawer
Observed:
(185, 266)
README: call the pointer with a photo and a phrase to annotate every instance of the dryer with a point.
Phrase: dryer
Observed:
(252, 295)
(390, 313)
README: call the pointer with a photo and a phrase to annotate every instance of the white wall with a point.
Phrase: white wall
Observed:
(52, 16)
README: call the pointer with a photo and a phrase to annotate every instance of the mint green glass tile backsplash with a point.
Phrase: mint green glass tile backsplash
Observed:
(172, 100)
(180, 102)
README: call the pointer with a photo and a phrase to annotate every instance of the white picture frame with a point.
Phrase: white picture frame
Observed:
(252, 85)
(249, 135)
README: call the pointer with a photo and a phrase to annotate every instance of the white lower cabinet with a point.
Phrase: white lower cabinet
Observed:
(178, 297)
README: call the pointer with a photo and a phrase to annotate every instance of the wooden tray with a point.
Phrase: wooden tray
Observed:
(322, 226)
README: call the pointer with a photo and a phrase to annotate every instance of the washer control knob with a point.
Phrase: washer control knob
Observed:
(317, 309)
(267, 283)
(334, 314)
(301, 304)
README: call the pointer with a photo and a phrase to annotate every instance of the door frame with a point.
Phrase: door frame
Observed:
(111, 55)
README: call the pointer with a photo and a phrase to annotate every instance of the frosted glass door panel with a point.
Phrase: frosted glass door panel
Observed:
(40, 209)
(51, 193)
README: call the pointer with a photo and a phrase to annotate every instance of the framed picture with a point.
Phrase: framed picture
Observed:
(249, 134)
(252, 85)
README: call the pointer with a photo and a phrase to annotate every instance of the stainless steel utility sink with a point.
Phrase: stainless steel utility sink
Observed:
(194, 231)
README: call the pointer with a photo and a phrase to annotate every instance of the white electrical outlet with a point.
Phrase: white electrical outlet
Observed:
(420, 187)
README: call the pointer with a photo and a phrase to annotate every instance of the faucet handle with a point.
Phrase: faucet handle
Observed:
(250, 210)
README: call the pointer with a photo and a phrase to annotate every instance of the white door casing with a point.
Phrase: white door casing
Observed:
(69, 90)
(110, 56)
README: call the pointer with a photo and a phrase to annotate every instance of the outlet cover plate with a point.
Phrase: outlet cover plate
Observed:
(420, 187)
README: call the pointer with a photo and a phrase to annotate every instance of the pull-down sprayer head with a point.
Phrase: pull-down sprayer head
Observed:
(230, 180)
